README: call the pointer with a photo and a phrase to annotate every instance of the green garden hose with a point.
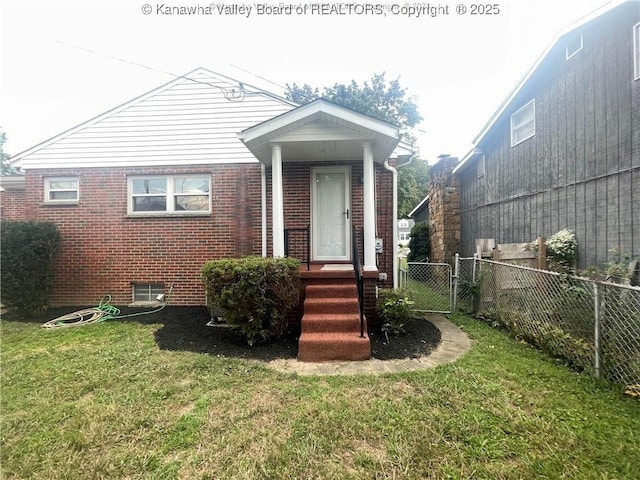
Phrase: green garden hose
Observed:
(104, 311)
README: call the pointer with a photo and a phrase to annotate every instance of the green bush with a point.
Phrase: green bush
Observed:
(419, 245)
(394, 308)
(253, 293)
(28, 250)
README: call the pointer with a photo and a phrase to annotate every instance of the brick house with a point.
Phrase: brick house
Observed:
(206, 167)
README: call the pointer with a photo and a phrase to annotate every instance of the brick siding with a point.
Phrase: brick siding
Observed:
(105, 251)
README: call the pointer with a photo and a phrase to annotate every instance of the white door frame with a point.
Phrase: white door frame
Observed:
(346, 216)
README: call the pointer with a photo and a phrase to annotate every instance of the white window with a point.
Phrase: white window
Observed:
(403, 224)
(636, 51)
(523, 123)
(480, 166)
(173, 194)
(61, 190)
(573, 46)
(147, 292)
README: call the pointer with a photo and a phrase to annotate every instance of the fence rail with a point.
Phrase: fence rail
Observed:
(594, 325)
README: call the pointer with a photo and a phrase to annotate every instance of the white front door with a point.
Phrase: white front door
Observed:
(331, 213)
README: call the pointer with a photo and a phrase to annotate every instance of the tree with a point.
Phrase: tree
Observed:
(379, 99)
(5, 166)
(387, 101)
(413, 185)
(419, 245)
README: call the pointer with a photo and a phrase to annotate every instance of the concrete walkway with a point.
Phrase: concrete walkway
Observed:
(453, 344)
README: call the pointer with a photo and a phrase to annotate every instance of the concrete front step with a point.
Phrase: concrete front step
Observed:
(320, 290)
(330, 322)
(331, 305)
(326, 347)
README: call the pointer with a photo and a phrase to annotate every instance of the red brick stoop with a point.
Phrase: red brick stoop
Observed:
(331, 323)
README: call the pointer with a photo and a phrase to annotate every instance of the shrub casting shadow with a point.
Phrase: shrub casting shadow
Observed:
(185, 329)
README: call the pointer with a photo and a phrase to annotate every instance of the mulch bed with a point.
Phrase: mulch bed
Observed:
(185, 328)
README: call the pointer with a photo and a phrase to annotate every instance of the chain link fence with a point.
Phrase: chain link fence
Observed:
(430, 285)
(594, 325)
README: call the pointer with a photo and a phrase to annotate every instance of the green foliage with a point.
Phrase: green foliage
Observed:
(420, 244)
(254, 293)
(413, 185)
(28, 251)
(394, 308)
(5, 166)
(562, 250)
(377, 98)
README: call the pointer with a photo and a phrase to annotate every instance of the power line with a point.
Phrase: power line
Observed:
(230, 95)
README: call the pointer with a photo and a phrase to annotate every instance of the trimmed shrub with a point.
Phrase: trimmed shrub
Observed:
(394, 308)
(419, 245)
(28, 250)
(254, 293)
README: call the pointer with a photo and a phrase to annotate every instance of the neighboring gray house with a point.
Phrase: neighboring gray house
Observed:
(563, 150)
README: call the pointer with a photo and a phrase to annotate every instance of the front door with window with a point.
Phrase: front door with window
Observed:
(331, 213)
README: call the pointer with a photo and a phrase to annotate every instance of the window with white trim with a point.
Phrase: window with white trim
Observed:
(169, 194)
(480, 166)
(636, 51)
(403, 224)
(523, 123)
(61, 190)
(574, 45)
(147, 292)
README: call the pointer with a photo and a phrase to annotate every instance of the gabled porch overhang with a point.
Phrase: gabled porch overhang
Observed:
(322, 131)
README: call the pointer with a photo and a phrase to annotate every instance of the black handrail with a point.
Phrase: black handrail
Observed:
(357, 267)
(306, 231)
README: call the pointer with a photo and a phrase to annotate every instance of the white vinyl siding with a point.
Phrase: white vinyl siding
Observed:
(192, 121)
(523, 123)
(169, 195)
(636, 51)
(61, 190)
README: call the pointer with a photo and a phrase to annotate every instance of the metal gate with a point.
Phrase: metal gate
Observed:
(431, 286)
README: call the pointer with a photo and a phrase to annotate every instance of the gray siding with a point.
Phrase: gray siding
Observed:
(582, 168)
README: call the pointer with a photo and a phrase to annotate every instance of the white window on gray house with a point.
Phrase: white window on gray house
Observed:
(169, 194)
(147, 292)
(403, 224)
(636, 51)
(523, 123)
(574, 45)
(61, 190)
(480, 166)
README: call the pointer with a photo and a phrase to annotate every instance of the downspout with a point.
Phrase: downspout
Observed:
(263, 194)
(394, 210)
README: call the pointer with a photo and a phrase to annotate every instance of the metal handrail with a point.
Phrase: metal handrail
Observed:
(357, 267)
(306, 231)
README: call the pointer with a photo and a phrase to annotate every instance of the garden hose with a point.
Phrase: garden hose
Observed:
(104, 311)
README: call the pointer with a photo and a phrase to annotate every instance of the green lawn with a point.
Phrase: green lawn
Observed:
(103, 401)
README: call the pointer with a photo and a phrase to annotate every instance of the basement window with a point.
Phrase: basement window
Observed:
(169, 194)
(523, 123)
(61, 190)
(147, 292)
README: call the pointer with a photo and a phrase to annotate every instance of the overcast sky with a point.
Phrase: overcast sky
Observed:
(65, 62)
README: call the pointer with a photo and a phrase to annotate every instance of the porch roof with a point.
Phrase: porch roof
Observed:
(321, 131)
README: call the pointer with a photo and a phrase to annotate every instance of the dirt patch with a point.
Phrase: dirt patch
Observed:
(185, 328)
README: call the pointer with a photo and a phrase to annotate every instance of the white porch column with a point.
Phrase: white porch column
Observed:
(277, 197)
(369, 205)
